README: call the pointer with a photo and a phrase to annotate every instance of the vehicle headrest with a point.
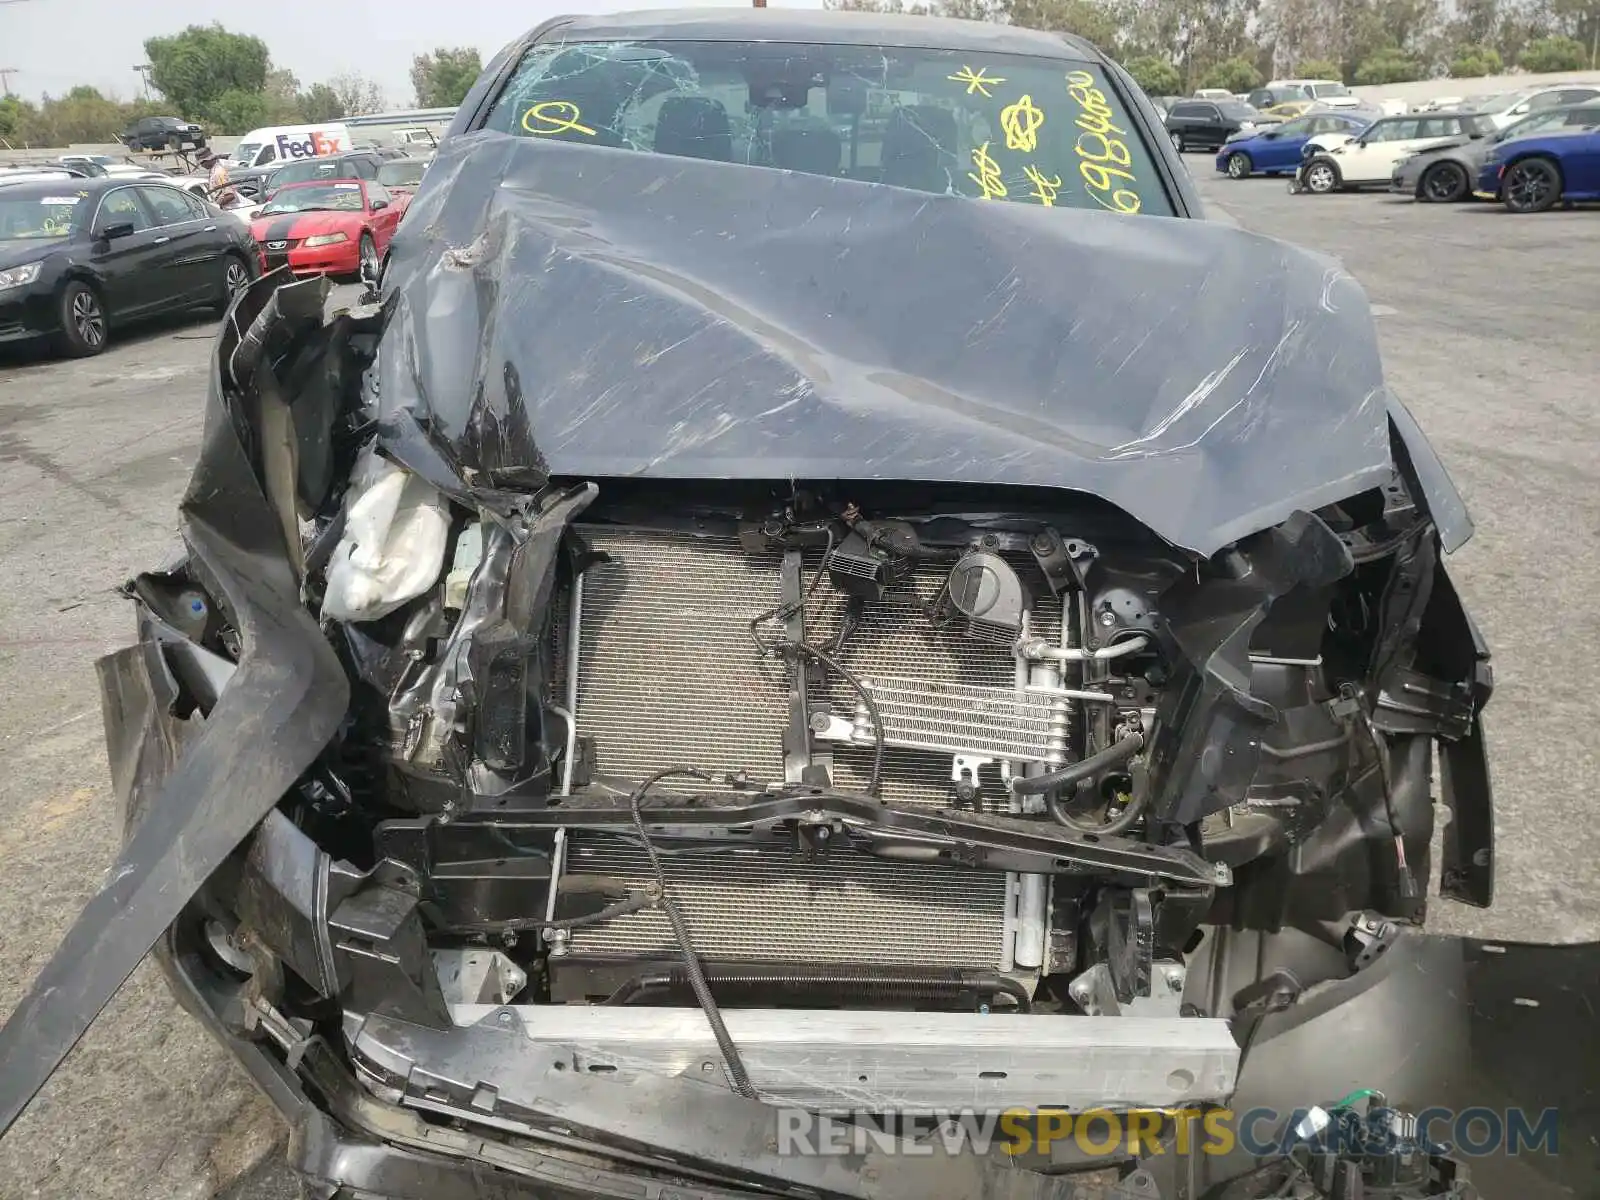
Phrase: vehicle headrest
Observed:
(815, 151)
(919, 147)
(694, 127)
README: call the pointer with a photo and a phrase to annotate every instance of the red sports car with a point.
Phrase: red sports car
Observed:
(327, 227)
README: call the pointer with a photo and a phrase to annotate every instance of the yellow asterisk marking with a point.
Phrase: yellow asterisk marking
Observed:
(1044, 188)
(976, 81)
(1021, 122)
(987, 176)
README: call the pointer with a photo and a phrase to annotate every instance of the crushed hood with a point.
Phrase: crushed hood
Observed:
(567, 310)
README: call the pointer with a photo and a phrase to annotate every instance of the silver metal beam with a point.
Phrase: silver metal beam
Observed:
(898, 1062)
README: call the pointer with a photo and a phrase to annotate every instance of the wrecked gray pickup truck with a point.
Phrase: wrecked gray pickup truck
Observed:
(744, 664)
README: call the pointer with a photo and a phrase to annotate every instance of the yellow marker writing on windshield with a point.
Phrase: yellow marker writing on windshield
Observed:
(976, 81)
(1021, 123)
(1104, 159)
(1044, 187)
(554, 116)
(987, 176)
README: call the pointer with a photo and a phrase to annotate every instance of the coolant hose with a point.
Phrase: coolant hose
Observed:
(1068, 776)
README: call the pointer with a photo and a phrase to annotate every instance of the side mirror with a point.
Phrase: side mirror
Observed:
(1520, 110)
(120, 230)
(377, 204)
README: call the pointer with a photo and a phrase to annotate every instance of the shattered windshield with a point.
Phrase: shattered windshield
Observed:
(340, 197)
(987, 126)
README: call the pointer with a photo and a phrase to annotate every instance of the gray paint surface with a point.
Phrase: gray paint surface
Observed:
(1207, 380)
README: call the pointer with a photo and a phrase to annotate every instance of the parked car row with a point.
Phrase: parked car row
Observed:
(83, 251)
(1547, 155)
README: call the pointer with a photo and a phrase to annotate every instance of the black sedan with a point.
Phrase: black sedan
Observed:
(1206, 124)
(81, 256)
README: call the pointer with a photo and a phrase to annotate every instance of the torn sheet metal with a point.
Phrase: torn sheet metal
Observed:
(749, 323)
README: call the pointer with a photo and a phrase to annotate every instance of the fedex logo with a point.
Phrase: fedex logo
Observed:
(314, 145)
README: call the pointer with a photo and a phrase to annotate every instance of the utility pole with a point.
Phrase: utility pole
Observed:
(7, 72)
(144, 75)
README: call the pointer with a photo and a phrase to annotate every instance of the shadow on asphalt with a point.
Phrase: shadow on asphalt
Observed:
(196, 323)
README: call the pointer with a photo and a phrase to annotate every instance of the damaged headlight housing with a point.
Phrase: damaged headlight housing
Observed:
(15, 277)
(325, 239)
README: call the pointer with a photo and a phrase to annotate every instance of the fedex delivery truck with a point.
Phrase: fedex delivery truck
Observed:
(278, 144)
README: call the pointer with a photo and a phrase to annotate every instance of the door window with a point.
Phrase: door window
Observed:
(1393, 131)
(1578, 95)
(1188, 111)
(366, 168)
(168, 205)
(1544, 100)
(1432, 127)
(122, 207)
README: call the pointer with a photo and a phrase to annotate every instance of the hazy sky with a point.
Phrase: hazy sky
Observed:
(54, 44)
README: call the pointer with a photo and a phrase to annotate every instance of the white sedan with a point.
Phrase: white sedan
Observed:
(1513, 106)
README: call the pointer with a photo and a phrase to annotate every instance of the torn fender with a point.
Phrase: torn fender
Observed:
(280, 708)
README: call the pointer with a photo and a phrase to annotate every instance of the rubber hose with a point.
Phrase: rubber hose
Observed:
(1113, 755)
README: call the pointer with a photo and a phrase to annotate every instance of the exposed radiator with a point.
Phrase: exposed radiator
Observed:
(668, 674)
(758, 905)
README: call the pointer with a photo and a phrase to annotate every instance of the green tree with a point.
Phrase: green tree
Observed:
(1476, 25)
(319, 102)
(357, 94)
(1389, 65)
(196, 68)
(17, 118)
(1471, 62)
(1579, 20)
(1155, 75)
(239, 111)
(444, 77)
(282, 95)
(1319, 68)
(1553, 54)
(1235, 74)
(1091, 21)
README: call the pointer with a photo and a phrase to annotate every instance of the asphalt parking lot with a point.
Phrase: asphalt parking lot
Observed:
(1489, 324)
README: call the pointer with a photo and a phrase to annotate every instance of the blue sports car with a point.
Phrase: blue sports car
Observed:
(1533, 174)
(1277, 150)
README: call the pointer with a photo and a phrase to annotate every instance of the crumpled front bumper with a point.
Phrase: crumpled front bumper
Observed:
(1435, 1024)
